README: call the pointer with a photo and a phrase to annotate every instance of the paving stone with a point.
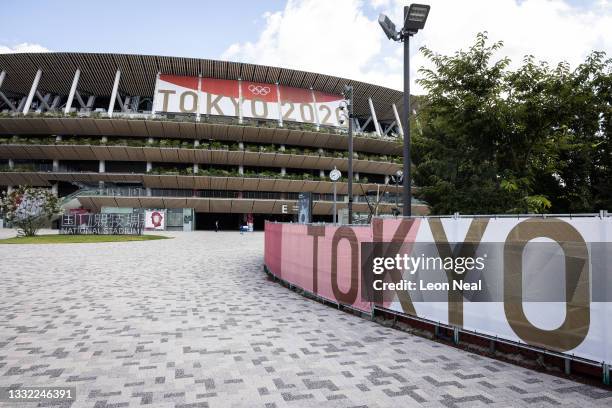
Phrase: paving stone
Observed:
(194, 322)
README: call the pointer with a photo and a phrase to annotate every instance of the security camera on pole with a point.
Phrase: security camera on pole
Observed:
(415, 17)
(397, 179)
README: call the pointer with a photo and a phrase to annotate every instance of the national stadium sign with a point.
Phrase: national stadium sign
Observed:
(102, 224)
(245, 99)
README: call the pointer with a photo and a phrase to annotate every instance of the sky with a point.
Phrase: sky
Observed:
(336, 37)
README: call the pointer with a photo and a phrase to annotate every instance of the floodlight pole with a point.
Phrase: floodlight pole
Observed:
(407, 194)
(349, 96)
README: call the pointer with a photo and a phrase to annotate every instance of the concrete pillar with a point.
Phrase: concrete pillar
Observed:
(30, 97)
(357, 176)
(73, 88)
(374, 118)
(386, 179)
(196, 168)
(148, 191)
(55, 165)
(240, 100)
(9, 189)
(196, 143)
(278, 100)
(241, 169)
(11, 164)
(58, 138)
(111, 105)
(102, 167)
(283, 171)
(149, 166)
(54, 189)
(90, 103)
(321, 151)
(322, 173)
(155, 93)
(104, 139)
(199, 100)
(398, 121)
(150, 140)
(282, 148)
(241, 145)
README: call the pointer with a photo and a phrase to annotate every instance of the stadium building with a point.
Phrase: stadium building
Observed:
(202, 140)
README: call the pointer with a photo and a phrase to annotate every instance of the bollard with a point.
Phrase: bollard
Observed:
(492, 346)
(606, 373)
(568, 366)
(456, 335)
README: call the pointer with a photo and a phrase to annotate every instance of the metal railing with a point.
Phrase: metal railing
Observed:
(183, 193)
(600, 214)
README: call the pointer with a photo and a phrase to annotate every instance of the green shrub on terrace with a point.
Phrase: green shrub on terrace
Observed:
(172, 171)
(218, 172)
(77, 141)
(216, 145)
(24, 140)
(178, 118)
(189, 144)
(19, 168)
(168, 143)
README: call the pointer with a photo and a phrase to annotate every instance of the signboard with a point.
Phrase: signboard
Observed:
(289, 209)
(305, 208)
(101, 224)
(223, 97)
(544, 282)
(155, 220)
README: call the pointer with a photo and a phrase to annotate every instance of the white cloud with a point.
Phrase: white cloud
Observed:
(340, 38)
(334, 37)
(23, 47)
(551, 30)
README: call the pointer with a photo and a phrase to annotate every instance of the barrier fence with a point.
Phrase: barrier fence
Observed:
(546, 281)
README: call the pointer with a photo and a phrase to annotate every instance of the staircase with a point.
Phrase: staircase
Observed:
(71, 201)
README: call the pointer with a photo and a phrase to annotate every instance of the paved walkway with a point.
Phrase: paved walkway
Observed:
(193, 322)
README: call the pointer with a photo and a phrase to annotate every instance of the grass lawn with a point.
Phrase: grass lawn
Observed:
(74, 239)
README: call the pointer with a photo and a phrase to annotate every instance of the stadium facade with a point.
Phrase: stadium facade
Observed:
(202, 140)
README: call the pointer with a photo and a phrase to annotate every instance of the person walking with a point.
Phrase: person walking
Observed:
(216, 225)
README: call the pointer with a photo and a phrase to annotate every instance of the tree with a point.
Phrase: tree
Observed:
(494, 140)
(455, 156)
(29, 209)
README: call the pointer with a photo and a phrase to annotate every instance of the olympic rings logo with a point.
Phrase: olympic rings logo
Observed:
(259, 90)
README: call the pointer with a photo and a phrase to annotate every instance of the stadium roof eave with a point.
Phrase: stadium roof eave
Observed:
(138, 74)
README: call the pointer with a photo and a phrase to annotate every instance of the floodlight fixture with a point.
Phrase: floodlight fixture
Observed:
(388, 27)
(416, 18)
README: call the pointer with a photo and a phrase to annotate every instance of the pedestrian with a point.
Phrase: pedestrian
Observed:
(216, 225)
